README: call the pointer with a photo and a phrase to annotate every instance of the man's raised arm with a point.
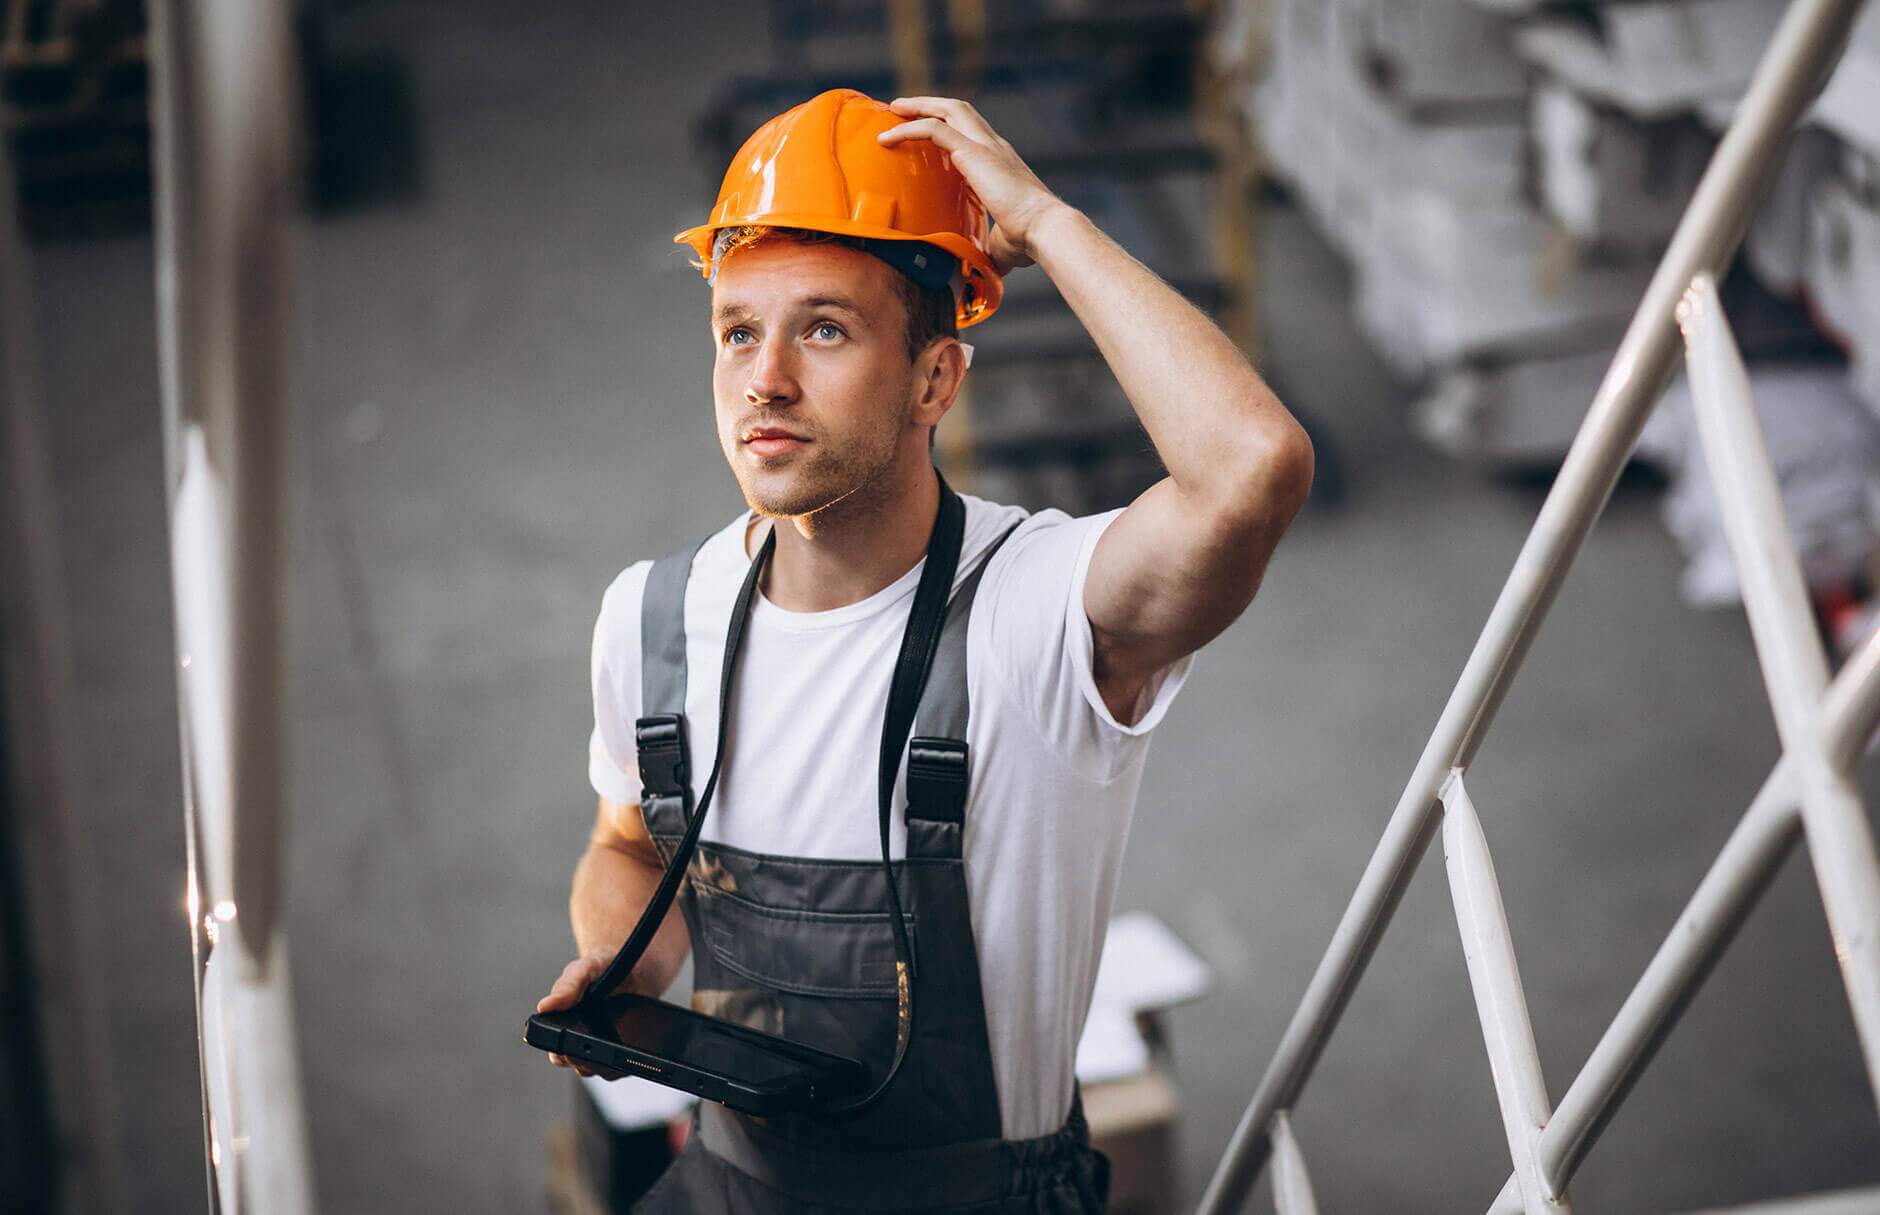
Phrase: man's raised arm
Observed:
(1186, 558)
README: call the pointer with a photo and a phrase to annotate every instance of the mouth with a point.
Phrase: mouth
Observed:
(772, 440)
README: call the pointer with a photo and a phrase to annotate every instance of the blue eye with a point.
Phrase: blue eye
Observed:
(828, 331)
(736, 337)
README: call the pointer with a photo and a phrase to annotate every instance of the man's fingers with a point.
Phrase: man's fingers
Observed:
(572, 981)
(941, 133)
(957, 113)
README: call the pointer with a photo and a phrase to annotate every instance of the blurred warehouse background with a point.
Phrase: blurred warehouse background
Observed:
(1428, 219)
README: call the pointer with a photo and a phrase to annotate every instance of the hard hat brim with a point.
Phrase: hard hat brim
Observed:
(975, 305)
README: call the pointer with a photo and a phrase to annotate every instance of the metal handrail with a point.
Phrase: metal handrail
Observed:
(227, 185)
(1802, 53)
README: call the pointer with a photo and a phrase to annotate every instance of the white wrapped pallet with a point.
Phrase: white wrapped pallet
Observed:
(1609, 178)
(1420, 325)
(1450, 275)
(1654, 58)
(1349, 150)
(1776, 246)
(1430, 53)
(1846, 114)
(1843, 275)
(1850, 104)
(1824, 447)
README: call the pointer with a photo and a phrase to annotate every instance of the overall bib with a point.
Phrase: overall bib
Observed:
(804, 948)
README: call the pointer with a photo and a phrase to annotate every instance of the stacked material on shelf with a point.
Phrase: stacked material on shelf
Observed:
(1504, 174)
(1841, 242)
(1841, 266)
(1611, 179)
(1816, 236)
(1403, 129)
(1653, 58)
(1849, 107)
(1776, 246)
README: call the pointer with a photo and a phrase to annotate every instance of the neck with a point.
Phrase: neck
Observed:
(853, 548)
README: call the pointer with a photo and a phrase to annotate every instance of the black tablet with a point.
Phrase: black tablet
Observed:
(745, 1069)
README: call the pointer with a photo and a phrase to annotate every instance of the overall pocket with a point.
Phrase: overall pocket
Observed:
(827, 955)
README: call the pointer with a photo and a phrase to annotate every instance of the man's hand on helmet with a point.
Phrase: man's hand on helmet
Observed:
(1013, 196)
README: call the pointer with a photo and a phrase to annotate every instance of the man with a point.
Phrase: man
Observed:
(848, 241)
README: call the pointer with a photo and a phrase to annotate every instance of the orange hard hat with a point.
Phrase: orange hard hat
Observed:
(820, 167)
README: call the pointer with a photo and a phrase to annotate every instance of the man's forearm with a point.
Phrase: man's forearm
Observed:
(1222, 434)
(611, 889)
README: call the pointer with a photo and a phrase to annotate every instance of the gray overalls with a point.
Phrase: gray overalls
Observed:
(803, 948)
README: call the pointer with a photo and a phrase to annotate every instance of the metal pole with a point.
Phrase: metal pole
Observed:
(226, 168)
(1806, 45)
(1840, 842)
(1514, 1062)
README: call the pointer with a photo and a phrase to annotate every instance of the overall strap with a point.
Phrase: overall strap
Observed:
(659, 733)
(938, 771)
(593, 1001)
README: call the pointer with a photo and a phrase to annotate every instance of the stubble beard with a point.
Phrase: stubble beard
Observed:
(823, 483)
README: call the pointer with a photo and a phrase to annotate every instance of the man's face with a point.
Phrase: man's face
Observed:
(812, 381)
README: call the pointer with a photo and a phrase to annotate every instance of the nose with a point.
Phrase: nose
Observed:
(772, 380)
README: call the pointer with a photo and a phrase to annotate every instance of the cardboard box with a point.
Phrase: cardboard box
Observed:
(1133, 1122)
(1130, 1097)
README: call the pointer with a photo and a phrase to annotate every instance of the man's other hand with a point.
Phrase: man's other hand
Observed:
(566, 993)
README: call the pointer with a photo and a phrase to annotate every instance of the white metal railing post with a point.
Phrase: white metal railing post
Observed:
(1514, 1062)
(1292, 1188)
(1794, 666)
(225, 160)
(1723, 899)
(1803, 51)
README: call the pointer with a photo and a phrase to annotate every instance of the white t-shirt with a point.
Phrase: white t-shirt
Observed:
(1054, 775)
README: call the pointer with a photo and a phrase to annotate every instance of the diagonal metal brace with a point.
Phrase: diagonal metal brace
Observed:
(1515, 1064)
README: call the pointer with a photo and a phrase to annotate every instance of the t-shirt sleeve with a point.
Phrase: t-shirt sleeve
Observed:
(613, 760)
(1039, 640)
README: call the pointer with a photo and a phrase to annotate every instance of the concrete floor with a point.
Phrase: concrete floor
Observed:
(503, 400)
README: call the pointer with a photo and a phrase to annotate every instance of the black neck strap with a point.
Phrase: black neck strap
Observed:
(918, 645)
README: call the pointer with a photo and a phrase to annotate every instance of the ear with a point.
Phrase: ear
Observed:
(939, 371)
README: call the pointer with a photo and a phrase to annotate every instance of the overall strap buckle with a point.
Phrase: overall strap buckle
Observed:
(936, 779)
(665, 760)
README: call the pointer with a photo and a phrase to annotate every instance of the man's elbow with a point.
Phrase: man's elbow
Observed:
(1270, 477)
